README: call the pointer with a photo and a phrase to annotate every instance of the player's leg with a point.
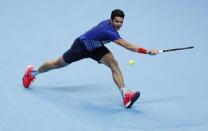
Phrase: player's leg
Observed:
(109, 60)
(53, 64)
(75, 53)
(31, 73)
(129, 97)
(103, 55)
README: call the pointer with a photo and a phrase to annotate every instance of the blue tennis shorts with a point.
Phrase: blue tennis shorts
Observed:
(78, 51)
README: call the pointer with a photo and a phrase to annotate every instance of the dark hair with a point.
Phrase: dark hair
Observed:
(117, 12)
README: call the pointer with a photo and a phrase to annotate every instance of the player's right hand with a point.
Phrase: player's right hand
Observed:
(153, 52)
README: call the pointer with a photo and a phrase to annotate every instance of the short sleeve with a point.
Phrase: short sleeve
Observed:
(113, 35)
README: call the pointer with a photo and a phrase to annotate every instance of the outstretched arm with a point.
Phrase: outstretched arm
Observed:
(135, 48)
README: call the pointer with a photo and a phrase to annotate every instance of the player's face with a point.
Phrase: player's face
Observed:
(117, 22)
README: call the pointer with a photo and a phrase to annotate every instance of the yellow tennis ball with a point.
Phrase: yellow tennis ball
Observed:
(132, 62)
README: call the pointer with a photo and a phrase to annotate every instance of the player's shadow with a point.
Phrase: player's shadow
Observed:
(90, 95)
(58, 94)
(70, 88)
(162, 99)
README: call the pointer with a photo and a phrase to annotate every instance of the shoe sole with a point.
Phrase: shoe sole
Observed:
(134, 99)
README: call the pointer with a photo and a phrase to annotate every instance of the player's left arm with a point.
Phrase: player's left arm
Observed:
(135, 48)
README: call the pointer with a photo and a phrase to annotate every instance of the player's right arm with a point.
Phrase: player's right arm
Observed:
(134, 47)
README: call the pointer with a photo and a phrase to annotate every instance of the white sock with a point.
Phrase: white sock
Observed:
(123, 90)
(34, 73)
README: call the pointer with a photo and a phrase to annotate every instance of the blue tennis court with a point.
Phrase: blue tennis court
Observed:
(83, 95)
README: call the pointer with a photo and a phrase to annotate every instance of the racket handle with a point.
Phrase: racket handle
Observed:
(161, 51)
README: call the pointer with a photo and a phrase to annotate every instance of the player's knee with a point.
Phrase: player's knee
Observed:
(55, 64)
(114, 64)
(59, 64)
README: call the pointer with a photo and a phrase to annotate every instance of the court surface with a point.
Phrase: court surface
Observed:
(83, 95)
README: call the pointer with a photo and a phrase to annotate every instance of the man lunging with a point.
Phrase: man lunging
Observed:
(92, 45)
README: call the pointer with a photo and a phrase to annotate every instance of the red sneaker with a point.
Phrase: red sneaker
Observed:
(130, 97)
(28, 78)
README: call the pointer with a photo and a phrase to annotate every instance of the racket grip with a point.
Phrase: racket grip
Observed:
(160, 51)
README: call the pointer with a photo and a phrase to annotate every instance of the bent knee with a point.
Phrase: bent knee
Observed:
(59, 64)
(114, 64)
